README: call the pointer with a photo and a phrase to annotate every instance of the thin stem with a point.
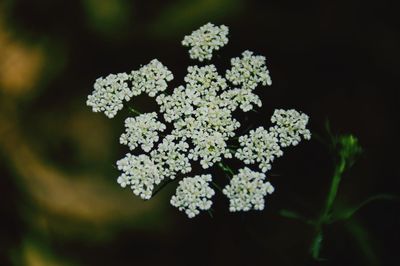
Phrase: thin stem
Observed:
(216, 186)
(226, 169)
(232, 150)
(158, 189)
(326, 211)
(337, 177)
(295, 216)
(136, 112)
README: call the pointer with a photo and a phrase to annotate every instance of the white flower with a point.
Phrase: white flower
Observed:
(205, 40)
(209, 130)
(205, 79)
(193, 194)
(202, 85)
(176, 105)
(171, 158)
(200, 114)
(259, 146)
(143, 130)
(207, 121)
(244, 98)
(248, 71)
(151, 78)
(247, 190)
(214, 118)
(210, 148)
(140, 173)
(109, 94)
(290, 126)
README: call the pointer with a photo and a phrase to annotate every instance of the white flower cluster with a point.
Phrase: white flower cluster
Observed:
(201, 116)
(259, 146)
(140, 173)
(290, 126)
(200, 113)
(193, 194)
(109, 94)
(248, 71)
(142, 130)
(242, 98)
(247, 190)
(170, 157)
(151, 78)
(143, 172)
(202, 85)
(205, 40)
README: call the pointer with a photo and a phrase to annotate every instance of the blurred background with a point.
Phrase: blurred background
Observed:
(59, 200)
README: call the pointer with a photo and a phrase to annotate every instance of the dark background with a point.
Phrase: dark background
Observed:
(59, 200)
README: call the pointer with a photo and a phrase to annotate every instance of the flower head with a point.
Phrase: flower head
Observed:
(247, 190)
(210, 148)
(205, 79)
(109, 94)
(140, 173)
(151, 78)
(205, 40)
(290, 126)
(201, 122)
(259, 146)
(202, 85)
(170, 157)
(243, 98)
(193, 195)
(248, 71)
(142, 130)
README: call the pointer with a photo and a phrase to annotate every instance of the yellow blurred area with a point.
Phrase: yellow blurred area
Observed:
(84, 205)
(20, 64)
(62, 202)
(85, 197)
(33, 254)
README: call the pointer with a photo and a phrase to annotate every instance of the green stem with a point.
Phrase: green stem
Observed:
(161, 186)
(326, 211)
(136, 112)
(216, 186)
(293, 215)
(226, 169)
(337, 177)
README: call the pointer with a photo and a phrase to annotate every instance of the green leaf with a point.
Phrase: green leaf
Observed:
(294, 215)
(349, 212)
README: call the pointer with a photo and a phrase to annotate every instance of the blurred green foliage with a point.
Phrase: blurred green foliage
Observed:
(183, 16)
(108, 17)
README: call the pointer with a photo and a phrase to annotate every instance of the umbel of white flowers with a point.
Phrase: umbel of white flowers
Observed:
(200, 114)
